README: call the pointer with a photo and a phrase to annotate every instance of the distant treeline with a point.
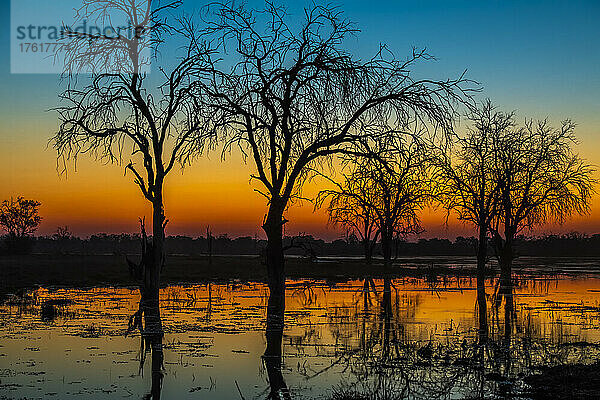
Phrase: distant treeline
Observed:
(573, 244)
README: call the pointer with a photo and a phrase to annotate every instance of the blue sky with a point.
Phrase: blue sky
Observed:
(539, 57)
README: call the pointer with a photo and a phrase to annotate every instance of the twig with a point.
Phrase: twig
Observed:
(239, 391)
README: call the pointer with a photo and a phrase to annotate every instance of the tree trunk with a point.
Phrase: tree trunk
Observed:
(368, 251)
(152, 269)
(481, 251)
(506, 260)
(481, 296)
(386, 248)
(273, 227)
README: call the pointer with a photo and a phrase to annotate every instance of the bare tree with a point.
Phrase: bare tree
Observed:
(401, 185)
(541, 179)
(466, 177)
(118, 108)
(349, 206)
(389, 189)
(294, 97)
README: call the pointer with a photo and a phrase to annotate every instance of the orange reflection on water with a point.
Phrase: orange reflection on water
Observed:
(423, 308)
(353, 331)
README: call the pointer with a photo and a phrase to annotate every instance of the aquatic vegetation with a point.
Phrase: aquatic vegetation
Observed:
(360, 339)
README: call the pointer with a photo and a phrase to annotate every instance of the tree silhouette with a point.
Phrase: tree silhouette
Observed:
(62, 233)
(20, 217)
(295, 97)
(467, 180)
(350, 205)
(386, 190)
(161, 121)
(541, 179)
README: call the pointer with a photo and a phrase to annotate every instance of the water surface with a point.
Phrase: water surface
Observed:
(419, 340)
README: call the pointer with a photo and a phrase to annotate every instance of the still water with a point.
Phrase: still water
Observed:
(420, 339)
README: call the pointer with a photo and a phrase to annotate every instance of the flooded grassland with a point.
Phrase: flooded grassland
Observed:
(369, 338)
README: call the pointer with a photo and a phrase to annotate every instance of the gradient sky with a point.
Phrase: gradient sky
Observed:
(541, 58)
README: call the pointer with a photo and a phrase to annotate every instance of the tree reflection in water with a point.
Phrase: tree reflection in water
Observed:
(273, 353)
(151, 341)
(376, 339)
(380, 353)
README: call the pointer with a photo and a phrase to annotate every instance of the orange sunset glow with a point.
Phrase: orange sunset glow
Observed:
(95, 197)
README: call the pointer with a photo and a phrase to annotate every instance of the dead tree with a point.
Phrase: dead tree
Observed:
(541, 180)
(466, 177)
(292, 96)
(389, 188)
(349, 206)
(117, 109)
(401, 187)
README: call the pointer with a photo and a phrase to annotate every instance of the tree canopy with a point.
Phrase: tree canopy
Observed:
(20, 217)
